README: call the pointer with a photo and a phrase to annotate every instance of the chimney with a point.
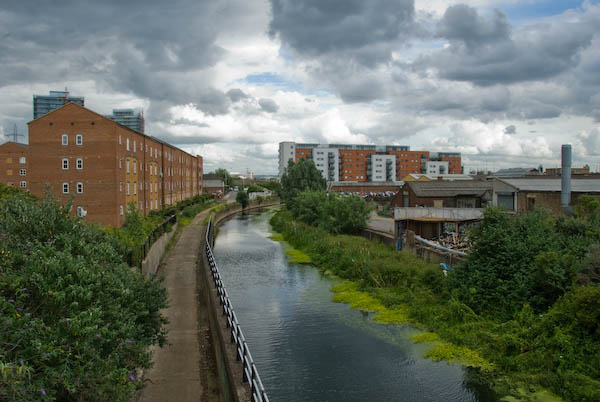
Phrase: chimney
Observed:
(565, 195)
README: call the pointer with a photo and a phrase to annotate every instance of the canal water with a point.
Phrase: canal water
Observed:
(308, 348)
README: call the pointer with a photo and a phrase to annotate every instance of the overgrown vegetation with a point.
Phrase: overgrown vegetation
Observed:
(303, 189)
(76, 320)
(242, 198)
(137, 227)
(525, 306)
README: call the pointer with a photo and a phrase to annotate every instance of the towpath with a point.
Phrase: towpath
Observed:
(184, 370)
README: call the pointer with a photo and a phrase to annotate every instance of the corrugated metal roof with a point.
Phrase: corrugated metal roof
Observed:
(554, 185)
(443, 188)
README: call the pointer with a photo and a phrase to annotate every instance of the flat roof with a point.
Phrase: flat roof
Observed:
(554, 185)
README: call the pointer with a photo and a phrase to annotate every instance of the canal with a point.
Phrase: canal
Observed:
(308, 348)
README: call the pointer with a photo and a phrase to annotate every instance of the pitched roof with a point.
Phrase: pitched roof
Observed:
(10, 144)
(443, 188)
(554, 185)
(112, 121)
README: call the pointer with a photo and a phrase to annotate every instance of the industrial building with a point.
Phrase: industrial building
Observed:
(101, 165)
(369, 163)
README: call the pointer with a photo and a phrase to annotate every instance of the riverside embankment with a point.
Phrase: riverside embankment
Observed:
(307, 347)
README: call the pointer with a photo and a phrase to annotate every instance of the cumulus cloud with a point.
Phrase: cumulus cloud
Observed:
(268, 105)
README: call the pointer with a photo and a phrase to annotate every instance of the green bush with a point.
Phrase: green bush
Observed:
(76, 321)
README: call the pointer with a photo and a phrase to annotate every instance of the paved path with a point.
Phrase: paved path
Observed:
(381, 223)
(183, 370)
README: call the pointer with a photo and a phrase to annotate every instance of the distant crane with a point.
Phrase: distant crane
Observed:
(15, 135)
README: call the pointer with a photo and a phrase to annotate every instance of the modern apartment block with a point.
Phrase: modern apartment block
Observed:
(368, 163)
(43, 104)
(128, 118)
(101, 165)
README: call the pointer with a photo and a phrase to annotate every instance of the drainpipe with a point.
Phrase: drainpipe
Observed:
(565, 195)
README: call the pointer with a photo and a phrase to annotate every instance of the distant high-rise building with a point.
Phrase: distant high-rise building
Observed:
(128, 118)
(43, 104)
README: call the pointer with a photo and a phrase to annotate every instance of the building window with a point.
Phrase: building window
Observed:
(65, 139)
(65, 164)
(127, 144)
(80, 188)
(141, 147)
(135, 188)
(23, 184)
(120, 140)
(127, 192)
(134, 167)
(141, 204)
(65, 188)
(134, 146)
(127, 165)
(23, 172)
(79, 163)
(81, 212)
(155, 153)
(120, 186)
(79, 139)
(22, 160)
(121, 209)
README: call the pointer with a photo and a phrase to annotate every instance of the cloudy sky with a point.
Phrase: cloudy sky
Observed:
(505, 82)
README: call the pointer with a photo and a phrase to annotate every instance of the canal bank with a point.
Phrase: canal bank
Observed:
(308, 348)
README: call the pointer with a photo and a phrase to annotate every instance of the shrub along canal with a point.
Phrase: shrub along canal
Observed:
(308, 348)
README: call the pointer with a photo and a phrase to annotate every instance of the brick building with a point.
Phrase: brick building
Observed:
(15, 164)
(366, 163)
(102, 165)
(445, 194)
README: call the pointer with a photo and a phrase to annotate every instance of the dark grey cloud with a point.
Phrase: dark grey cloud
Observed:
(512, 129)
(236, 95)
(487, 52)
(268, 105)
(366, 31)
(156, 51)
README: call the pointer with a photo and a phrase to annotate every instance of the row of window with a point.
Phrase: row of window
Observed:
(78, 139)
(153, 187)
(65, 188)
(78, 164)
(22, 160)
(156, 152)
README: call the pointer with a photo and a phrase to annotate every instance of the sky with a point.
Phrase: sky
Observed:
(503, 82)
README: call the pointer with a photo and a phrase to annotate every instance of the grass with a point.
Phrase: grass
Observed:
(298, 257)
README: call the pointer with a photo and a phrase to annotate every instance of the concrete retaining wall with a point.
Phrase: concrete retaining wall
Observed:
(152, 260)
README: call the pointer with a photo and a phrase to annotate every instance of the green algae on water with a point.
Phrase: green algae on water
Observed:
(458, 354)
(298, 256)
(276, 237)
(425, 337)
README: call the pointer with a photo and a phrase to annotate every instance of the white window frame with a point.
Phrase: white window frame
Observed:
(127, 165)
(80, 211)
(128, 189)
(79, 139)
(121, 210)
(65, 187)
(120, 163)
(22, 160)
(65, 164)
(134, 146)
(65, 139)
(79, 164)
(23, 172)
(135, 188)
(79, 187)
(120, 187)
(23, 184)
(134, 166)
(127, 144)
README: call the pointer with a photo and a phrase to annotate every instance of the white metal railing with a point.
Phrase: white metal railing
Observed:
(249, 370)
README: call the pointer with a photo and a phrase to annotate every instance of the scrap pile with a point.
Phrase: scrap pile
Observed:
(454, 241)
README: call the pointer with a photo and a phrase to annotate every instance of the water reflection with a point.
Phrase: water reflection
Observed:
(308, 348)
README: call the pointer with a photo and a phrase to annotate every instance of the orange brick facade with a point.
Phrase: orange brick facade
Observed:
(103, 166)
(354, 162)
(14, 162)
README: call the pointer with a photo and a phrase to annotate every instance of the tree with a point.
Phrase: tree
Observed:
(242, 198)
(76, 320)
(299, 177)
(225, 176)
